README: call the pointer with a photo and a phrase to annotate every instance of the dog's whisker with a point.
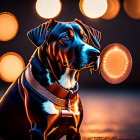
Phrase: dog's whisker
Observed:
(91, 70)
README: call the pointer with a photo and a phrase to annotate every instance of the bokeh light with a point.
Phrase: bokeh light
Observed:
(132, 8)
(93, 8)
(8, 26)
(11, 66)
(48, 8)
(116, 63)
(112, 9)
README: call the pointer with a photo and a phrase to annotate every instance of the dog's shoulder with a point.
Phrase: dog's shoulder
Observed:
(11, 92)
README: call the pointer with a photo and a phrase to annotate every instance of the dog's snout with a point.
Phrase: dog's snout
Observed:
(93, 53)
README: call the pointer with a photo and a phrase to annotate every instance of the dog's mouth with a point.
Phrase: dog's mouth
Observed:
(92, 66)
(71, 75)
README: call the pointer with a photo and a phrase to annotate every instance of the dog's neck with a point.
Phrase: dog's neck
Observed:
(67, 78)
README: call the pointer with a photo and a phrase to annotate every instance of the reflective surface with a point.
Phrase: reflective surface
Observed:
(109, 113)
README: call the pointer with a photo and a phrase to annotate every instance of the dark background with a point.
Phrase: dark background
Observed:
(122, 29)
(109, 110)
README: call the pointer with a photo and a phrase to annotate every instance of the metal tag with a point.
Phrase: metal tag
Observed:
(66, 113)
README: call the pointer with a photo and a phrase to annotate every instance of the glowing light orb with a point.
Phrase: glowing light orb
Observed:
(8, 26)
(112, 9)
(93, 8)
(132, 8)
(116, 63)
(11, 66)
(48, 8)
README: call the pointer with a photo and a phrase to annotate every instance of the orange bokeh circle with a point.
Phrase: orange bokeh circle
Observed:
(112, 9)
(132, 8)
(93, 8)
(11, 66)
(48, 8)
(116, 63)
(8, 26)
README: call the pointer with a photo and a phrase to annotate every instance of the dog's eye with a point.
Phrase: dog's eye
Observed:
(84, 37)
(65, 38)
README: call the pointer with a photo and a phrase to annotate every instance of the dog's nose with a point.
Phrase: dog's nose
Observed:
(93, 53)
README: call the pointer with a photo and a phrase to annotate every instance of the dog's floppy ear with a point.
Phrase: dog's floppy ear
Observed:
(93, 34)
(40, 34)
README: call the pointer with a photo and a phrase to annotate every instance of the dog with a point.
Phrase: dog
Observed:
(43, 103)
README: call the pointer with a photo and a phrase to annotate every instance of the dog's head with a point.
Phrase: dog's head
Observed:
(65, 44)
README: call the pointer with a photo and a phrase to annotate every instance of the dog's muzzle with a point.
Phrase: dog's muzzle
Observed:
(93, 59)
(88, 58)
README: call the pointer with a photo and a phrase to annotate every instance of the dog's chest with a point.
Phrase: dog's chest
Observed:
(61, 114)
(53, 109)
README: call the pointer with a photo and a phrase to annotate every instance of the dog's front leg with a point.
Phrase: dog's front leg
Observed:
(36, 133)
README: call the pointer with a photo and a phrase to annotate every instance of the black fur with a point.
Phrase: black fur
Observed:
(21, 113)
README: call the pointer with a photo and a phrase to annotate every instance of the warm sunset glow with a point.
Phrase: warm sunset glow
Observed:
(132, 8)
(116, 63)
(11, 66)
(48, 8)
(8, 26)
(109, 113)
(112, 9)
(93, 8)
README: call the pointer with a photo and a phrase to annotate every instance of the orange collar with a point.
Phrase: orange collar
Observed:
(55, 93)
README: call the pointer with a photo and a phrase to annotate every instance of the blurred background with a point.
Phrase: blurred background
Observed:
(109, 109)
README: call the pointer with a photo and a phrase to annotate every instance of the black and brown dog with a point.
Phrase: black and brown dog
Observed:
(43, 102)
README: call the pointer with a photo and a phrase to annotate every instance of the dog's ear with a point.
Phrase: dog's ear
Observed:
(93, 34)
(40, 34)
